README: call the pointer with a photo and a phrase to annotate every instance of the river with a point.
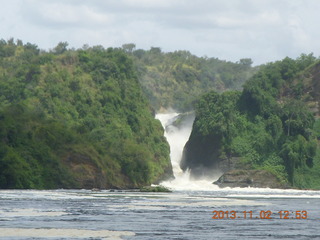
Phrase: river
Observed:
(83, 214)
(194, 210)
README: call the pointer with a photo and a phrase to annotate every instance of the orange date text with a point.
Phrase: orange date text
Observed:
(263, 214)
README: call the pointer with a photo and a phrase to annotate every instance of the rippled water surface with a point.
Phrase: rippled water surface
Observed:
(82, 214)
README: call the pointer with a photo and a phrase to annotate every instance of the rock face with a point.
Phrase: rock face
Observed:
(201, 155)
(249, 178)
(86, 173)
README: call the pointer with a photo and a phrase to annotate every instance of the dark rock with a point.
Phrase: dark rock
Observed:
(201, 151)
(202, 156)
(249, 178)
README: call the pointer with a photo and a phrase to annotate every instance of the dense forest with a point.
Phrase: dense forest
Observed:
(76, 119)
(272, 124)
(176, 79)
(84, 118)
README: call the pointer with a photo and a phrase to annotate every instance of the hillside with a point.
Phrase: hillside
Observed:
(270, 126)
(76, 119)
(176, 79)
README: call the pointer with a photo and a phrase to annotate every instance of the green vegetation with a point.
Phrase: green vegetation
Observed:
(176, 79)
(269, 125)
(75, 118)
(80, 118)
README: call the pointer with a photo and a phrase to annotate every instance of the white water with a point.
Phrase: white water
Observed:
(63, 233)
(177, 138)
(85, 214)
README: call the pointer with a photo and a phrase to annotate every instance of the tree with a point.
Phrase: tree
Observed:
(129, 47)
(247, 62)
(296, 118)
(155, 50)
(61, 48)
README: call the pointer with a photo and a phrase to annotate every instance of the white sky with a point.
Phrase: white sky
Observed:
(264, 30)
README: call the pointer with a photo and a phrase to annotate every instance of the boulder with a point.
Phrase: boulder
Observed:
(249, 178)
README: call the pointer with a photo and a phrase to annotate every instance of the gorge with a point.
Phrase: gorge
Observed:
(84, 118)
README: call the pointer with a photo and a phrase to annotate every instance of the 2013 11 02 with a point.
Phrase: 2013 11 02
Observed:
(262, 214)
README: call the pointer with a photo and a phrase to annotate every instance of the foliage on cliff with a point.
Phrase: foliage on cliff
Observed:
(270, 125)
(75, 118)
(177, 79)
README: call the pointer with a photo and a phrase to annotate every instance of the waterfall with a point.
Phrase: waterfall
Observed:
(177, 135)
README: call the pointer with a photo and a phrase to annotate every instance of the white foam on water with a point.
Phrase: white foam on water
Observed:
(44, 194)
(204, 202)
(274, 196)
(183, 182)
(271, 193)
(62, 233)
(145, 206)
(30, 212)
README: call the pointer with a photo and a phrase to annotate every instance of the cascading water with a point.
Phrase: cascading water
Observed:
(177, 136)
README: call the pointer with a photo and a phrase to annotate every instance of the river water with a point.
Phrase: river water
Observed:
(83, 214)
(194, 210)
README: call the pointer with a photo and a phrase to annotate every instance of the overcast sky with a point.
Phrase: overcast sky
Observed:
(264, 30)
